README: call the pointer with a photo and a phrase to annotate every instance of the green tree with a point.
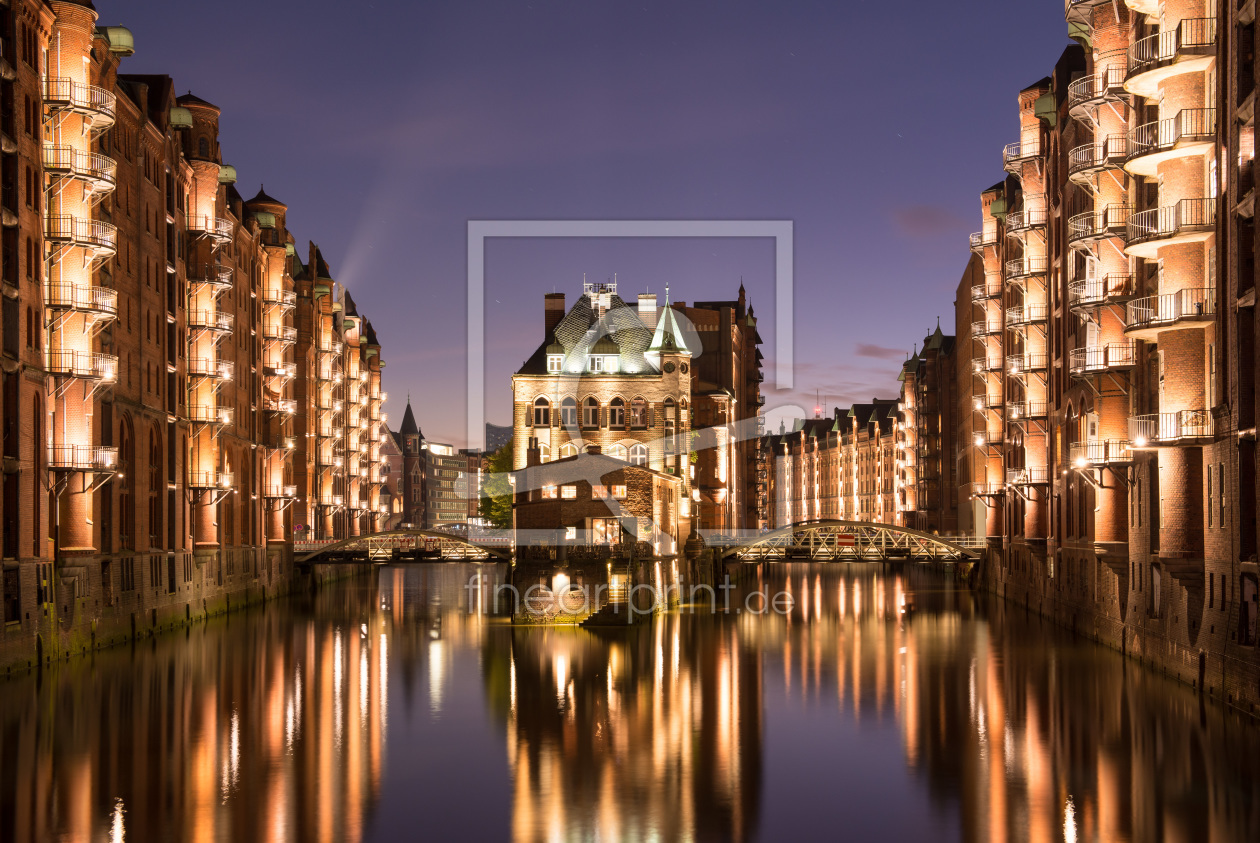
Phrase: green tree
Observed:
(496, 491)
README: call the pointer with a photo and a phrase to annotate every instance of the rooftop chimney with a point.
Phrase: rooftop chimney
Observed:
(553, 311)
(647, 309)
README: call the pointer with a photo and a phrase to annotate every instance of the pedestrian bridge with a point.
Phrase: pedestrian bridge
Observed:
(852, 541)
(404, 545)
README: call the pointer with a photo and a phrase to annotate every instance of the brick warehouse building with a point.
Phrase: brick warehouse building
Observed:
(180, 392)
(1109, 311)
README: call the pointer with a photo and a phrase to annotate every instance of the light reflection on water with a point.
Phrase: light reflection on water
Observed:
(883, 706)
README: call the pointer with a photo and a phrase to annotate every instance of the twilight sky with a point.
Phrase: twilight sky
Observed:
(387, 125)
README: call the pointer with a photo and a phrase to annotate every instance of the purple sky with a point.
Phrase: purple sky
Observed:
(386, 126)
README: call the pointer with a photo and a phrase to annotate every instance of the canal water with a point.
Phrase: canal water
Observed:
(884, 705)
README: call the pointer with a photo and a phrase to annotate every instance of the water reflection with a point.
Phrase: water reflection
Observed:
(882, 706)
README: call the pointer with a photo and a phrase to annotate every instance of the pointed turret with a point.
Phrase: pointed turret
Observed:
(409, 426)
(667, 338)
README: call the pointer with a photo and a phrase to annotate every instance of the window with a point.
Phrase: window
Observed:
(542, 413)
(617, 451)
(617, 413)
(568, 413)
(619, 492)
(1247, 610)
(203, 148)
(599, 491)
(554, 361)
(638, 413)
(639, 454)
(590, 413)
(544, 452)
(549, 492)
(595, 363)
(570, 533)
(568, 449)
(568, 492)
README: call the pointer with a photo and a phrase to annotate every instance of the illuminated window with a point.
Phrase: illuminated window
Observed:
(568, 413)
(542, 413)
(617, 413)
(638, 413)
(568, 449)
(598, 491)
(544, 452)
(639, 454)
(554, 362)
(617, 451)
(619, 492)
(568, 492)
(570, 533)
(590, 413)
(549, 492)
(595, 363)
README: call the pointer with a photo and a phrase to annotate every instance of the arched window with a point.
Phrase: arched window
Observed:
(638, 413)
(617, 413)
(126, 506)
(568, 449)
(590, 412)
(617, 451)
(203, 147)
(639, 454)
(568, 413)
(542, 413)
(670, 415)
(544, 452)
(155, 489)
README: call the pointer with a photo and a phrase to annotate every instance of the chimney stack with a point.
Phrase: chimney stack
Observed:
(647, 309)
(553, 311)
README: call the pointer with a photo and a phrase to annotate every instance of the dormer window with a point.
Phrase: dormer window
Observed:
(554, 362)
(595, 363)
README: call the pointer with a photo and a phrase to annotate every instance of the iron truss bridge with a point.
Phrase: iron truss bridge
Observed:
(851, 541)
(403, 545)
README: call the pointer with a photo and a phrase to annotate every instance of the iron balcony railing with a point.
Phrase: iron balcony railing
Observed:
(216, 228)
(1090, 292)
(204, 367)
(327, 373)
(209, 414)
(984, 489)
(1026, 314)
(212, 479)
(61, 93)
(280, 492)
(333, 347)
(1194, 125)
(982, 239)
(1020, 410)
(1031, 214)
(1090, 158)
(988, 401)
(96, 235)
(1025, 267)
(985, 329)
(219, 277)
(986, 364)
(1169, 428)
(280, 334)
(1030, 475)
(992, 436)
(1093, 225)
(280, 298)
(1100, 452)
(88, 365)
(1102, 358)
(1014, 154)
(219, 321)
(100, 171)
(1106, 84)
(332, 500)
(1192, 305)
(100, 300)
(1186, 217)
(281, 370)
(281, 405)
(1191, 37)
(1029, 361)
(82, 458)
(981, 292)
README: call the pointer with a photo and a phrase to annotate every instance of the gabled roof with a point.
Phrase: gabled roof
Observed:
(582, 329)
(409, 426)
(668, 337)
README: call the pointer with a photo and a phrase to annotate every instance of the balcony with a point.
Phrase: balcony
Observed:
(98, 172)
(1100, 452)
(1189, 48)
(988, 401)
(1184, 427)
(1021, 316)
(1089, 92)
(987, 490)
(1112, 357)
(332, 500)
(991, 437)
(280, 334)
(1093, 226)
(287, 406)
(328, 374)
(1032, 214)
(334, 347)
(1027, 410)
(1146, 317)
(1189, 221)
(1080, 11)
(985, 329)
(1088, 160)
(283, 299)
(212, 479)
(209, 414)
(218, 278)
(288, 371)
(1027, 363)
(101, 301)
(82, 458)
(983, 292)
(215, 321)
(280, 492)
(981, 240)
(96, 105)
(1087, 293)
(1031, 475)
(1191, 133)
(86, 365)
(1023, 268)
(203, 367)
(218, 229)
(983, 364)
(1014, 155)
(98, 237)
